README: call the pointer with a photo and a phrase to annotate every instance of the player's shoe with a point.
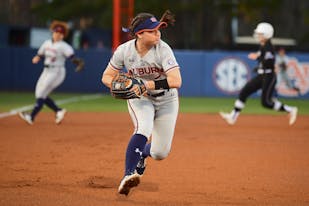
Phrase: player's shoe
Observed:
(60, 115)
(141, 166)
(228, 117)
(128, 182)
(26, 117)
(293, 115)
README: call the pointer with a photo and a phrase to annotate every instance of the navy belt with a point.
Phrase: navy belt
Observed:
(157, 95)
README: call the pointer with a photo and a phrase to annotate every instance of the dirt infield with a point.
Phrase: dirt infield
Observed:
(259, 161)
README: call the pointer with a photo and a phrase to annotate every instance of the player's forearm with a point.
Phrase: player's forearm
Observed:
(108, 76)
(173, 80)
(107, 80)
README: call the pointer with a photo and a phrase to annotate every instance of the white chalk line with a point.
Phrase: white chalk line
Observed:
(59, 102)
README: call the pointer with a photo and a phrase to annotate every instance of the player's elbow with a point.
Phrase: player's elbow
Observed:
(104, 81)
(174, 78)
(178, 83)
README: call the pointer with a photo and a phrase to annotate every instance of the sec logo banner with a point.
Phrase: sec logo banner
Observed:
(230, 75)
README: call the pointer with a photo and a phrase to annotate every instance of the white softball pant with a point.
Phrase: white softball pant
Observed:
(49, 80)
(156, 118)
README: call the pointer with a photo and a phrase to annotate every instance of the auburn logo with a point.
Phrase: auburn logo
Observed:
(298, 77)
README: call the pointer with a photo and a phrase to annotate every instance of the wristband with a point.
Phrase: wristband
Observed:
(161, 84)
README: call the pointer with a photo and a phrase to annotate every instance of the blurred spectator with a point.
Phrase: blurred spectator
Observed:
(281, 69)
(100, 45)
(84, 40)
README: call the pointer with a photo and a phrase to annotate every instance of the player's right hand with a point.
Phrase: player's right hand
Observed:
(253, 56)
(36, 59)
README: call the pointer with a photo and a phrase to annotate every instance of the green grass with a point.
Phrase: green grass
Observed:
(13, 100)
(253, 105)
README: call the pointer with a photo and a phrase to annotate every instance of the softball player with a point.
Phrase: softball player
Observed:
(265, 80)
(55, 51)
(154, 115)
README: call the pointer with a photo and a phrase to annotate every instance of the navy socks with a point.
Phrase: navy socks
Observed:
(51, 104)
(134, 152)
(37, 107)
(39, 104)
(146, 151)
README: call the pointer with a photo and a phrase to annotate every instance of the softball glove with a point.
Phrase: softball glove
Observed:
(79, 63)
(127, 87)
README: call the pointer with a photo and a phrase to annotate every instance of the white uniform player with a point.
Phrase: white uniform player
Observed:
(281, 64)
(53, 75)
(154, 115)
(153, 66)
(54, 51)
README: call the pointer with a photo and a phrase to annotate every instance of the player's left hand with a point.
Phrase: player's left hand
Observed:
(80, 64)
(124, 86)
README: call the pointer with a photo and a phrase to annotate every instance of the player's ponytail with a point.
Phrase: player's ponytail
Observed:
(168, 17)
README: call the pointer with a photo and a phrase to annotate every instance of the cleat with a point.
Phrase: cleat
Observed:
(60, 115)
(228, 118)
(128, 182)
(293, 115)
(141, 166)
(26, 117)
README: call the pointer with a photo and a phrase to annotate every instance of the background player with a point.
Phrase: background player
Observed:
(281, 69)
(265, 80)
(154, 115)
(55, 51)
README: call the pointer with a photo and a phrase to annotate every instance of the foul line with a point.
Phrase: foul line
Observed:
(59, 102)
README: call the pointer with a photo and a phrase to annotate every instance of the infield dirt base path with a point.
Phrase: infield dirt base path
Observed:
(259, 161)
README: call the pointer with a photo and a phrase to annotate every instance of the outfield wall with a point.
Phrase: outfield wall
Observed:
(204, 73)
(19, 74)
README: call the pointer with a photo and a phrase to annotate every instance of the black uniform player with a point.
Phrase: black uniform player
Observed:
(265, 79)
